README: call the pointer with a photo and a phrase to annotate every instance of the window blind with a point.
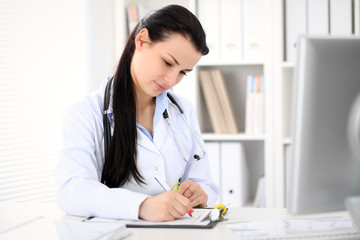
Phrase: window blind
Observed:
(52, 52)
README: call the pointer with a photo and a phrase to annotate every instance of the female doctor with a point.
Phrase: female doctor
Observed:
(151, 146)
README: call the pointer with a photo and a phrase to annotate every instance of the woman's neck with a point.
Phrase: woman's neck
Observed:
(145, 110)
(144, 101)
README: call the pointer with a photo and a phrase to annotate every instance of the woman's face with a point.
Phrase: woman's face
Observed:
(156, 67)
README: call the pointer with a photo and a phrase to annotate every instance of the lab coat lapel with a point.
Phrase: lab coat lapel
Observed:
(160, 133)
(145, 142)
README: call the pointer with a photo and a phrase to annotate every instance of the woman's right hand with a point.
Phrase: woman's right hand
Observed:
(164, 207)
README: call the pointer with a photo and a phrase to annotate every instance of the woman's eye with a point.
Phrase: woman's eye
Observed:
(167, 63)
(170, 65)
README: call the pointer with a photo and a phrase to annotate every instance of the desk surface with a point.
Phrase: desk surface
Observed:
(9, 210)
(221, 231)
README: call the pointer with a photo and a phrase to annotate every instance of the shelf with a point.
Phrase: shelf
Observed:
(231, 137)
(224, 63)
(288, 64)
(287, 141)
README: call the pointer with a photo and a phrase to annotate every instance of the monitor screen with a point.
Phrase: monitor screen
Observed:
(323, 170)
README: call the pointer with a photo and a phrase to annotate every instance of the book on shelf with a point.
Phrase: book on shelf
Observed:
(212, 104)
(254, 119)
(259, 200)
(217, 101)
(224, 100)
(134, 14)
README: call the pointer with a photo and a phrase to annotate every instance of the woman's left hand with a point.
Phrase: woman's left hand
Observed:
(194, 193)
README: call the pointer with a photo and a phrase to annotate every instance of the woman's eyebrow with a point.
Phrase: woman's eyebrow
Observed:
(177, 63)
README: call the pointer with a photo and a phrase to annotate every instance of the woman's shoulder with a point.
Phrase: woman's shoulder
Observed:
(89, 105)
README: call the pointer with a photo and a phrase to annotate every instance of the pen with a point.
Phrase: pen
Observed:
(162, 184)
(87, 219)
(167, 188)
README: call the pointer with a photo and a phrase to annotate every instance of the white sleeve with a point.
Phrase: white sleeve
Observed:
(80, 166)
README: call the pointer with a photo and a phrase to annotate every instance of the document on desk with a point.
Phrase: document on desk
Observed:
(200, 219)
(42, 228)
(295, 228)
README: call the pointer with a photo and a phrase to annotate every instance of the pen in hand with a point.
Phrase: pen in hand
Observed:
(167, 188)
(88, 219)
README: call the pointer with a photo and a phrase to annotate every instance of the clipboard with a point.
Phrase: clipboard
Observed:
(199, 220)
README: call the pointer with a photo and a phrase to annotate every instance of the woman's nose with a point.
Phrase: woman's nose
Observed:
(171, 78)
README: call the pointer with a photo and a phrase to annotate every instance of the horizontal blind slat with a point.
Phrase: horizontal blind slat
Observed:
(47, 61)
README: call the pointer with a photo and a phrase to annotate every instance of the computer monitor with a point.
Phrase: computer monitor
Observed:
(323, 170)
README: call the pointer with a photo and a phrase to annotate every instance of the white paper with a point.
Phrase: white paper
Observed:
(301, 227)
(199, 217)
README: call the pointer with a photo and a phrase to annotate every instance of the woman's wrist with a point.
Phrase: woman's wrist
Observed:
(142, 208)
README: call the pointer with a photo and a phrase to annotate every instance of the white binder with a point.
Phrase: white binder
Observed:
(254, 29)
(208, 14)
(340, 17)
(213, 152)
(318, 17)
(234, 174)
(295, 26)
(231, 31)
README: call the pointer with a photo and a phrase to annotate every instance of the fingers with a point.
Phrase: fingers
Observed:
(199, 201)
(184, 186)
(164, 207)
(180, 207)
(188, 188)
(194, 193)
(172, 205)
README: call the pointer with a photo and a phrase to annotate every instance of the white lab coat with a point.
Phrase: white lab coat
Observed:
(82, 158)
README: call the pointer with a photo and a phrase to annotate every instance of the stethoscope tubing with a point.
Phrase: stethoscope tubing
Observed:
(107, 127)
(192, 132)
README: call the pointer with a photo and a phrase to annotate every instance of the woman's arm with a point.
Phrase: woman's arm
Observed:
(80, 166)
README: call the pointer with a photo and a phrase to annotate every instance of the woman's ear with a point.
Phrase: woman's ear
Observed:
(142, 38)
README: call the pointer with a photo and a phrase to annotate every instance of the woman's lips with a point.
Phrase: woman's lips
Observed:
(159, 87)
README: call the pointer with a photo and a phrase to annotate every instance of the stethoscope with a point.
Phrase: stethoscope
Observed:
(107, 128)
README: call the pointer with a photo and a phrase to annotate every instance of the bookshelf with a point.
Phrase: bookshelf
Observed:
(318, 18)
(259, 149)
(265, 154)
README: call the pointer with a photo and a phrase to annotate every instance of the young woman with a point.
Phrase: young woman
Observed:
(128, 179)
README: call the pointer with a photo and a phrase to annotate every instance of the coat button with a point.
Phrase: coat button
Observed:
(156, 168)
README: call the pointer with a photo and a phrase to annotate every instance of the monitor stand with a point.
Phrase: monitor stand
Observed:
(352, 204)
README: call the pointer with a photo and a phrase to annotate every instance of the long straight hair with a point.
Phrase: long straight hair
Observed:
(120, 162)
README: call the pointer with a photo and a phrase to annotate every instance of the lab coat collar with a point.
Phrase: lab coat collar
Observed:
(159, 127)
(162, 103)
(160, 135)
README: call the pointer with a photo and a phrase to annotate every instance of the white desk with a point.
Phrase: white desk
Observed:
(221, 231)
(11, 210)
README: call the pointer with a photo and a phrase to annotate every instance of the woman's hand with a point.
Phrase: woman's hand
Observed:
(193, 191)
(164, 207)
